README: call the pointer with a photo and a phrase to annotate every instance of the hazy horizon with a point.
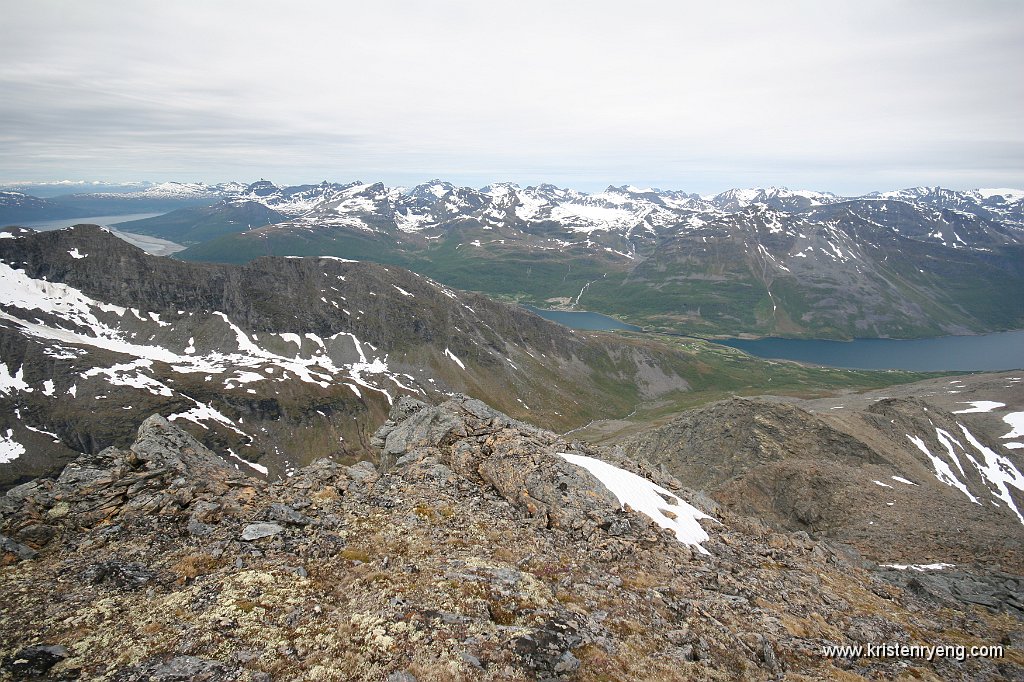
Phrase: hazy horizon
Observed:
(54, 188)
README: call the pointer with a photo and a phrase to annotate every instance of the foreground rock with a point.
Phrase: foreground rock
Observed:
(476, 552)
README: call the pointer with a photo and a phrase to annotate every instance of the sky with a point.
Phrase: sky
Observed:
(830, 95)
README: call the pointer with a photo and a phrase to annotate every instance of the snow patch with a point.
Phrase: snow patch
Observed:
(452, 356)
(130, 374)
(258, 467)
(1016, 422)
(980, 406)
(10, 449)
(919, 567)
(10, 383)
(648, 498)
(942, 470)
(203, 412)
(403, 291)
(998, 472)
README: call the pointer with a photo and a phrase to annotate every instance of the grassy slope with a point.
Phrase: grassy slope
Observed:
(713, 372)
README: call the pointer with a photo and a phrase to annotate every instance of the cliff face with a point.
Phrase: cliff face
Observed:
(278, 362)
(484, 549)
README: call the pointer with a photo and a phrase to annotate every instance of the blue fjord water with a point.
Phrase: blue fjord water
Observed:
(987, 352)
(582, 319)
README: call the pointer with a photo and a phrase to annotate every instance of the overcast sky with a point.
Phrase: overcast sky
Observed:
(840, 96)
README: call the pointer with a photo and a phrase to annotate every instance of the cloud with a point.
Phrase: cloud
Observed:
(829, 95)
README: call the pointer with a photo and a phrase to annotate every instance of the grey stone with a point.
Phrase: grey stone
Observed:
(362, 472)
(256, 531)
(8, 546)
(286, 514)
(567, 663)
(177, 669)
(126, 574)
(198, 528)
(401, 676)
(35, 660)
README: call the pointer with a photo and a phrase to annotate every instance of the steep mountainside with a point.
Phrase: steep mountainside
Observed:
(277, 362)
(488, 550)
(875, 470)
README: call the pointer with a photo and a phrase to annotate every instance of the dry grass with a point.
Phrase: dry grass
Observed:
(192, 566)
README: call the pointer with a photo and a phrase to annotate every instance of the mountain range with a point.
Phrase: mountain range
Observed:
(909, 263)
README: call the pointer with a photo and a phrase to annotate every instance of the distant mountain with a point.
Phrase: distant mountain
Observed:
(765, 261)
(16, 206)
(63, 187)
(277, 362)
(202, 223)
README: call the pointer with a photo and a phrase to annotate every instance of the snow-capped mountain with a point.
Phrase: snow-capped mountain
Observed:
(768, 260)
(293, 201)
(775, 197)
(624, 210)
(15, 206)
(764, 260)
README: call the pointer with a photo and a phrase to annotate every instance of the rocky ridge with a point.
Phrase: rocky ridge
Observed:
(476, 552)
(872, 471)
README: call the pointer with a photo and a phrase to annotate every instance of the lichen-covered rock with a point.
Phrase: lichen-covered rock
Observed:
(34, 661)
(126, 574)
(519, 462)
(166, 475)
(483, 556)
(11, 551)
(182, 669)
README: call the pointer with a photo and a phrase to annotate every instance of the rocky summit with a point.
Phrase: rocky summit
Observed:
(481, 548)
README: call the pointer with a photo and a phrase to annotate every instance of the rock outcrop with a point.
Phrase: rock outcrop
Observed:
(475, 552)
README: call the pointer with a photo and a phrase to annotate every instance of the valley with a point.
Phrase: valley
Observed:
(911, 263)
(329, 402)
